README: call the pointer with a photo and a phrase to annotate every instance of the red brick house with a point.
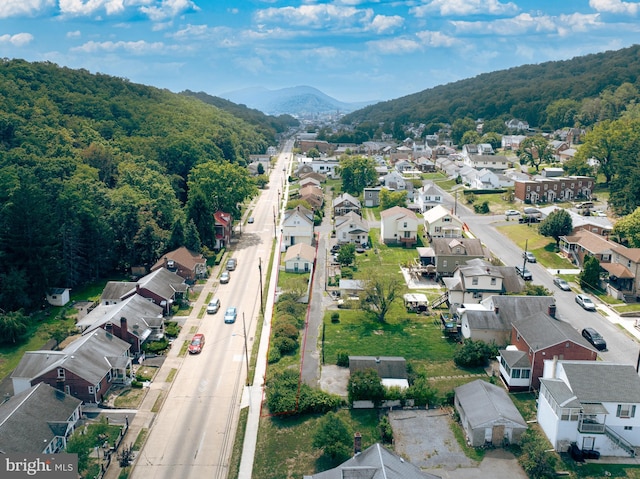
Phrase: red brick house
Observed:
(223, 224)
(548, 190)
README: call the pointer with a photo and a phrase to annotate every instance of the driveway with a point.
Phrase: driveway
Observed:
(426, 440)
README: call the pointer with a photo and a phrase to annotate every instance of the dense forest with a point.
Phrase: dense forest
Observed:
(98, 174)
(522, 92)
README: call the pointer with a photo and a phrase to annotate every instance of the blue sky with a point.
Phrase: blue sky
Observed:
(353, 50)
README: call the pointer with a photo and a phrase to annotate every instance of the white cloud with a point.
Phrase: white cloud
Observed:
(74, 34)
(436, 39)
(17, 40)
(401, 45)
(315, 16)
(465, 7)
(169, 9)
(615, 6)
(527, 23)
(13, 8)
(383, 23)
(137, 48)
(88, 7)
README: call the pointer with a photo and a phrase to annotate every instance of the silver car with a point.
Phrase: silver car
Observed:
(586, 302)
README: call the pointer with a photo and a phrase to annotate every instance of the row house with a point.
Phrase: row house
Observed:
(539, 189)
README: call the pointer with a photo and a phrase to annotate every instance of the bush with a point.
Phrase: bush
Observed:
(342, 359)
(284, 345)
(282, 396)
(474, 354)
(334, 437)
(386, 432)
(346, 273)
(482, 208)
(366, 385)
(335, 317)
(274, 355)
(171, 329)
(285, 330)
(155, 346)
(136, 384)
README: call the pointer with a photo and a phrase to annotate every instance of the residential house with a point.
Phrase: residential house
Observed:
(305, 145)
(85, 369)
(592, 404)
(488, 415)
(582, 243)
(297, 227)
(394, 181)
(223, 226)
(351, 288)
(482, 156)
(439, 222)
(557, 146)
(58, 296)
(404, 166)
(566, 155)
(515, 124)
(596, 224)
(425, 164)
(550, 172)
(313, 195)
(162, 287)
(399, 225)
(38, 420)
(319, 177)
(371, 197)
(326, 166)
(626, 276)
(542, 189)
(478, 279)
(134, 320)
(351, 228)
(345, 203)
(115, 292)
(391, 369)
(375, 462)
(309, 180)
(479, 323)
(185, 263)
(512, 142)
(299, 258)
(446, 254)
(427, 196)
(541, 336)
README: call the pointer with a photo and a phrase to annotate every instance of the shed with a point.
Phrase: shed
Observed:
(487, 414)
(391, 369)
(58, 296)
(416, 302)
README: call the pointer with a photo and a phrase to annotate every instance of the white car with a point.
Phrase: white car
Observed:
(511, 213)
(586, 302)
(213, 306)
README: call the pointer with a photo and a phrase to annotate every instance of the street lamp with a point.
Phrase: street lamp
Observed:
(246, 348)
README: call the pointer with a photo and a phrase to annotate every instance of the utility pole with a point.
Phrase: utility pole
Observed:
(275, 233)
(246, 348)
(261, 294)
(524, 259)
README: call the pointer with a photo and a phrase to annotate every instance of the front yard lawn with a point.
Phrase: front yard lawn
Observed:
(527, 236)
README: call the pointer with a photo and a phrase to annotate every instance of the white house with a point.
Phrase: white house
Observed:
(299, 258)
(297, 227)
(399, 225)
(394, 181)
(351, 228)
(593, 404)
(345, 203)
(439, 222)
(58, 296)
(427, 197)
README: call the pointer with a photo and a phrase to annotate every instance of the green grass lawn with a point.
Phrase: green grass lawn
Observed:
(542, 247)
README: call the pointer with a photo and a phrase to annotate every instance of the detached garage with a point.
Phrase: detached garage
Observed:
(487, 415)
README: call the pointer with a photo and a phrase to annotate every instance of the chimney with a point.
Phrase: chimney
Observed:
(496, 309)
(552, 310)
(123, 328)
(357, 443)
(554, 367)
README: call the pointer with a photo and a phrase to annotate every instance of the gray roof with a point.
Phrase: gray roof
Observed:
(142, 316)
(163, 282)
(386, 366)
(483, 403)
(561, 392)
(540, 331)
(515, 359)
(375, 462)
(597, 381)
(449, 246)
(117, 290)
(30, 420)
(90, 357)
(514, 308)
(486, 320)
(346, 198)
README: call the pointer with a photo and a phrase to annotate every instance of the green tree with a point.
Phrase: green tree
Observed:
(531, 289)
(471, 137)
(347, 254)
(334, 437)
(557, 224)
(192, 238)
(421, 391)
(589, 277)
(535, 459)
(380, 293)
(313, 153)
(601, 144)
(13, 326)
(627, 229)
(534, 151)
(493, 138)
(357, 172)
(365, 385)
(389, 199)
(474, 354)
(561, 113)
(459, 127)
(577, 167)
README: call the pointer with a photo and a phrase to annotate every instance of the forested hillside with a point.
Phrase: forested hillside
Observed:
(98, 174)
(522, 92)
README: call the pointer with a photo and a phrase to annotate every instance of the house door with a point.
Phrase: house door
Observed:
(498, 435)
(588, 443)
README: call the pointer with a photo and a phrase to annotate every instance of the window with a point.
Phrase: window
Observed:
(626, 410)
(446, 219)
(474, 281)
(515, 373)
(444, 263)
(628, 428)
(526, 373)
(91, 389)
(528, 187)
(61, 373)
(493, 281)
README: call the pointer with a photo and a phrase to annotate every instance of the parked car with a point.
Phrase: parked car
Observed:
(524, 273)
(535, 212)
(225, 277)
(213, 306)
(586, 302)
(511, 213)
(250, 220)
(196, 344)
(594, 338)
(562, 284)
(528, 219)
(230, 315)
(529, 256)
(335, 248)
(231, 264)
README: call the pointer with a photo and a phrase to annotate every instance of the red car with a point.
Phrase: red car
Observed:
(197, 343)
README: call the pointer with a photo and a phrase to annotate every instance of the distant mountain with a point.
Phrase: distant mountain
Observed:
(299, 101)
(521, 92)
